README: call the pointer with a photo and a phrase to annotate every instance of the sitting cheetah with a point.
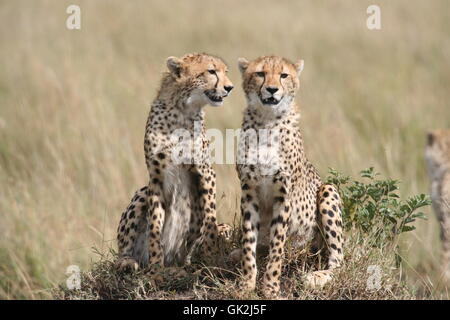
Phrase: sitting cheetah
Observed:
(177, 209)
(437, 154)
(286, 196)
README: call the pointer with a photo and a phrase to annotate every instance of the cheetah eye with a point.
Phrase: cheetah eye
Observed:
(260, 74)
(284, 75)
(212, 71)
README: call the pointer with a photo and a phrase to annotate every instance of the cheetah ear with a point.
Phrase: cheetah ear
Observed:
(430, 138)
(174, 65)
(299, 66)
(243, 64)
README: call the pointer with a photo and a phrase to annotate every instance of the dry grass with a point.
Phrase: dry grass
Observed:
(350, 282)
(73, 106)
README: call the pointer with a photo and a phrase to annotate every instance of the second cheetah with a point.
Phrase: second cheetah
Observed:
(285, 197)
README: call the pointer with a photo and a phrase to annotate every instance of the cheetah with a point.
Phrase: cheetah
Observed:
(176, 211)
(284, 196)
(437, 155)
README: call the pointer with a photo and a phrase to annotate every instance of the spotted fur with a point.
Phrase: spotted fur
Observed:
(176, 212)
(437, 155)
(291, 200)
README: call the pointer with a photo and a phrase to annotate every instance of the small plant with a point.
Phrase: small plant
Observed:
(374, 208)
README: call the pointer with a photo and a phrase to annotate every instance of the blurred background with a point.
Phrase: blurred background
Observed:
(74, 103)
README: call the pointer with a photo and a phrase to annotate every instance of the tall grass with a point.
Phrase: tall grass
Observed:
(73, 106)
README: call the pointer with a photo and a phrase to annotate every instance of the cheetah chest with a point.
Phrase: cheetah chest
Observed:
(179, 194)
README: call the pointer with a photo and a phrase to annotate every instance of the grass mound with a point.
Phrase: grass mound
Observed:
(373, 215)
(368, 273)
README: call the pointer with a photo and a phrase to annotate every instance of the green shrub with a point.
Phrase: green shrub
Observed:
(373, 206)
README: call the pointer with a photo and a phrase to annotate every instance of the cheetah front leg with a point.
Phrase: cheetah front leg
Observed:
(250, 227)
(278, 234)
(155, 218)
(207, 211)
(330, 222)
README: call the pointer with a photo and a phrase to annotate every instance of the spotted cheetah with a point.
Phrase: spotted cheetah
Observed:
(177, 210)
(284, 196)
(437, 155)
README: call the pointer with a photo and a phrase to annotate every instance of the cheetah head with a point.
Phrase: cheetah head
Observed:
(437, 151)
(203, 78)
(270, 81)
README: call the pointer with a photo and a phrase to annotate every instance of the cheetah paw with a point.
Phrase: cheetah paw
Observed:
(174, 273)
(318, 279)
(245, 287)
(155, 275)
(270, 287)
(270, 293)
(225, 231)
(126, 264)
(159, 275)
(204, 251)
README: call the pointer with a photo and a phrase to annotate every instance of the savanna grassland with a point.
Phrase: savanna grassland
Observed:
(73, 106)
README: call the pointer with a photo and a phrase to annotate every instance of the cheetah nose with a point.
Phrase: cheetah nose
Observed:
(228, 88)
(272, 90)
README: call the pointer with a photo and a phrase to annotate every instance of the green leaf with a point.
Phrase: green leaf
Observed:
(408, 228)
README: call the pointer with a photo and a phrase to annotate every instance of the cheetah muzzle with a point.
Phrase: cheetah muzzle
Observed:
(215, 98)
(272, 101)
